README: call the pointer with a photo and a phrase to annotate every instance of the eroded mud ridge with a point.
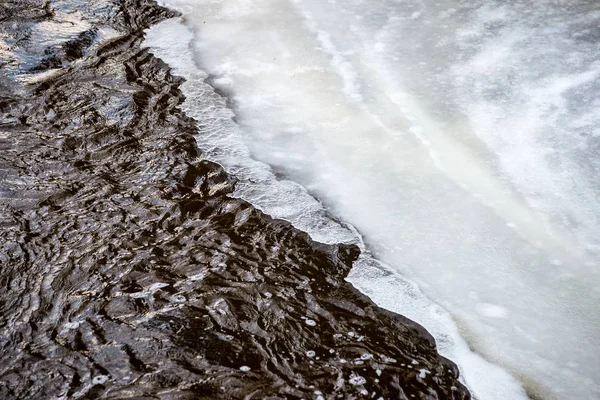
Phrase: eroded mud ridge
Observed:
(126, 269)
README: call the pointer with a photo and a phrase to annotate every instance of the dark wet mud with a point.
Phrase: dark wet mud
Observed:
(127, 271)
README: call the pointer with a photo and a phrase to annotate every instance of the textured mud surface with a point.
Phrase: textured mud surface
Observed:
(128, 272)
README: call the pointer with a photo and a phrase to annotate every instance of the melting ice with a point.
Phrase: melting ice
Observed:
(459, 138)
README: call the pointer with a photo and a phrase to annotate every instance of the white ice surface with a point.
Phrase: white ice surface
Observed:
(458, 141)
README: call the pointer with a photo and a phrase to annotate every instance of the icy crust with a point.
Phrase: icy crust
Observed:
(129, 271)
(221, 140)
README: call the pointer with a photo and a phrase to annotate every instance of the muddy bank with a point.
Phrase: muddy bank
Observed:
(128, 271)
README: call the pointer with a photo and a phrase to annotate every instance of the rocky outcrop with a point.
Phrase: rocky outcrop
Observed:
(127, 270)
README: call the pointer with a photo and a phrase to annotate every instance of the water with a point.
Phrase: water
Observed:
(459, 141)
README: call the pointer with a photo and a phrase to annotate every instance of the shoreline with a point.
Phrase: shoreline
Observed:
(222, 140)
(132, 272)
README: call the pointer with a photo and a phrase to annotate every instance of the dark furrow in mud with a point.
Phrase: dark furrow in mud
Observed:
(127, 270)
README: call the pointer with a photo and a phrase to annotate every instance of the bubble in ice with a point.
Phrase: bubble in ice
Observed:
(99, 379)
(356, 379)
